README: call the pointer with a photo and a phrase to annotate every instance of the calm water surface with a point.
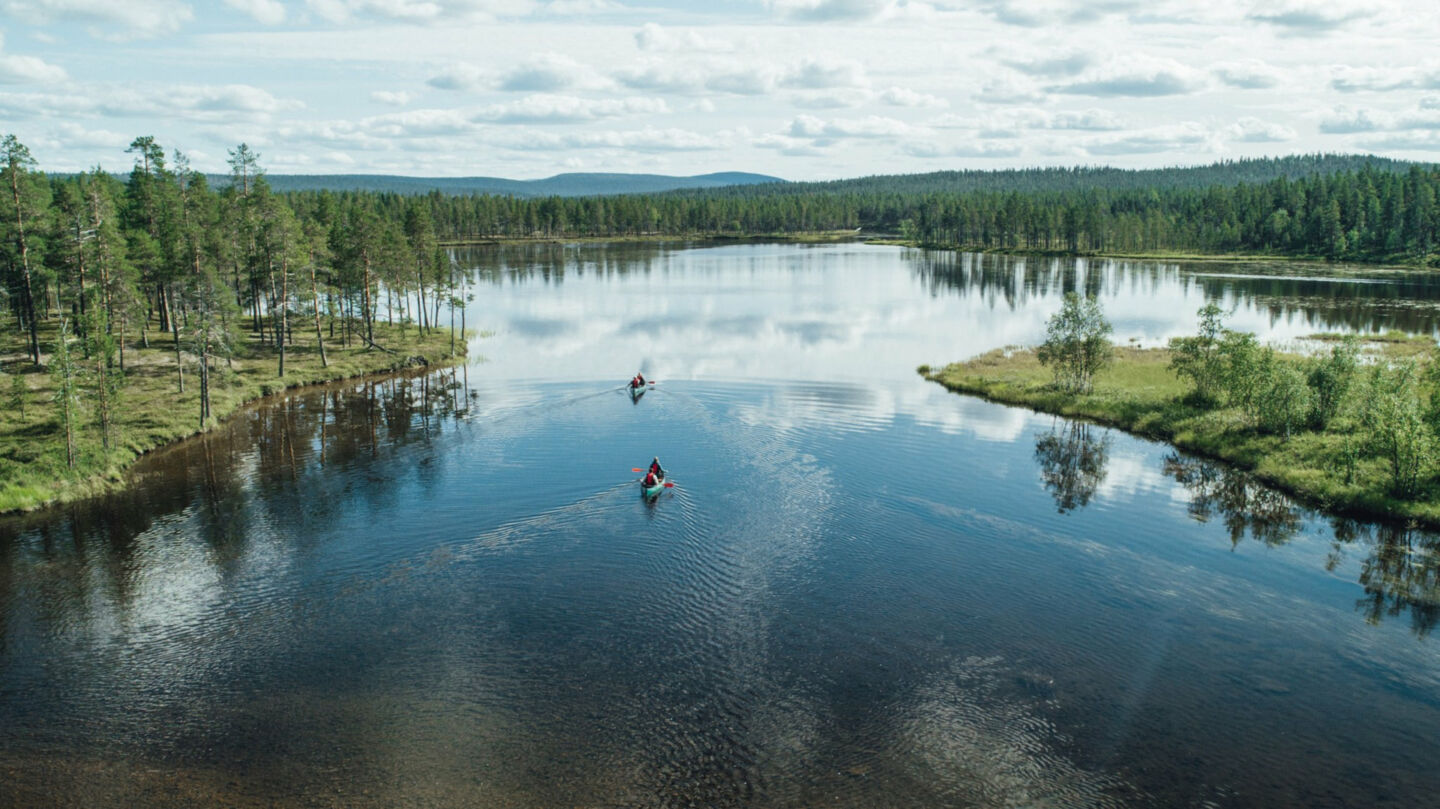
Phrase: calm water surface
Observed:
(446, 590)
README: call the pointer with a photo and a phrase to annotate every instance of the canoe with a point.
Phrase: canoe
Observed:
(651, 491)
(636, 393)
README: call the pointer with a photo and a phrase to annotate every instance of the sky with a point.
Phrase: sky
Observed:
(801, 89)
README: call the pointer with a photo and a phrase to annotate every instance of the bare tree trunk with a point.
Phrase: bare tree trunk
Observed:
(284, 304)
(25, 266)
(315, 296)
(365, 299)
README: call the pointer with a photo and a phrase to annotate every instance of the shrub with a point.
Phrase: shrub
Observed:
(1283, 402)
(1244, 370)
(1396, 429)
(1075, 346)
(1199, 357)
(1331, 380)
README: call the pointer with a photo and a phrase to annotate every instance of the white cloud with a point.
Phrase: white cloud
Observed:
(831, 99)
(1312, 17)
(1135, 76)
(1347, 121)
(1344, 121)
(15, 69)
(187, 102)
(72, 135)
(1009, 91)
(903, 97)
(1012, 123)
(421, 11)
(418, 123)
(930, 149)
(825, 74)
(267, 12)
(1248, 74)
(652, 37)
(545, 73)
(871, 126)
(659, 77)
(107, 19)
(745, 81)
(18, 106)
(638, 140)
(748, 77)
(1403, 142)
(1044, 13)
(392, 97)
(787, 145)
(1053, 66)
(834, 10)
(555, 109)
(458, 76)
(1187, 136)
(1381, 79)
(1254, 130)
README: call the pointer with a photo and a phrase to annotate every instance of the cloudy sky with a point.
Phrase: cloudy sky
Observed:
(803, 89)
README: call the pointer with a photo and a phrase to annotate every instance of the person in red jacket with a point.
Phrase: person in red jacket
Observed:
(655, 468)
(650, 480)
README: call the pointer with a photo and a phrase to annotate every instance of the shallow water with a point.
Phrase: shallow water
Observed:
(446, 590)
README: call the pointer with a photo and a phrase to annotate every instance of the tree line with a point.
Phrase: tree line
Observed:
(110, 263)
(1371, 213)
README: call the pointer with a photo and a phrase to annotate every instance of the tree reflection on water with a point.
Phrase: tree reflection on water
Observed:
(1400, 573)
(1072, 463)
(1400, 566)
(1243, 505)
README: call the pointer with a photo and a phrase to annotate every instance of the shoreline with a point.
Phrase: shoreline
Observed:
(1133, 396)
(111, 474)
(808, 237)
(841, 236)
(1189, 258)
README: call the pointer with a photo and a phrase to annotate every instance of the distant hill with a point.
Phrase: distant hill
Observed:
(1079, 178)
(562, 185)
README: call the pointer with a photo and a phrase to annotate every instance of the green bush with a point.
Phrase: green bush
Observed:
(1244, 370)
(1396, 427)
(1331, 380)
(1199, 357)
(1284, 400)
(1075, 347)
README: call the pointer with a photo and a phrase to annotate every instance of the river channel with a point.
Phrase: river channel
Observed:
(445, 589)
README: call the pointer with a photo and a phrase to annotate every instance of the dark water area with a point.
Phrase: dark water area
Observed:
(445, 589)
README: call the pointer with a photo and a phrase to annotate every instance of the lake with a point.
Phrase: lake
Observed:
(445, 588)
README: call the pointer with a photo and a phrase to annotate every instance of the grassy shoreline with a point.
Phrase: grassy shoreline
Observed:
(1140, 395)
(153, 413)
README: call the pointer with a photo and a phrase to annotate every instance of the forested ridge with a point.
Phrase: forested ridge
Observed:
(1371, 213)
(1075, 178)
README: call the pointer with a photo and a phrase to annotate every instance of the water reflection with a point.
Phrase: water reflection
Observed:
(1072, 462)
(1322, 298)
(1399, 565)
(1400, 571)
(1242, 504)
(199, 515)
